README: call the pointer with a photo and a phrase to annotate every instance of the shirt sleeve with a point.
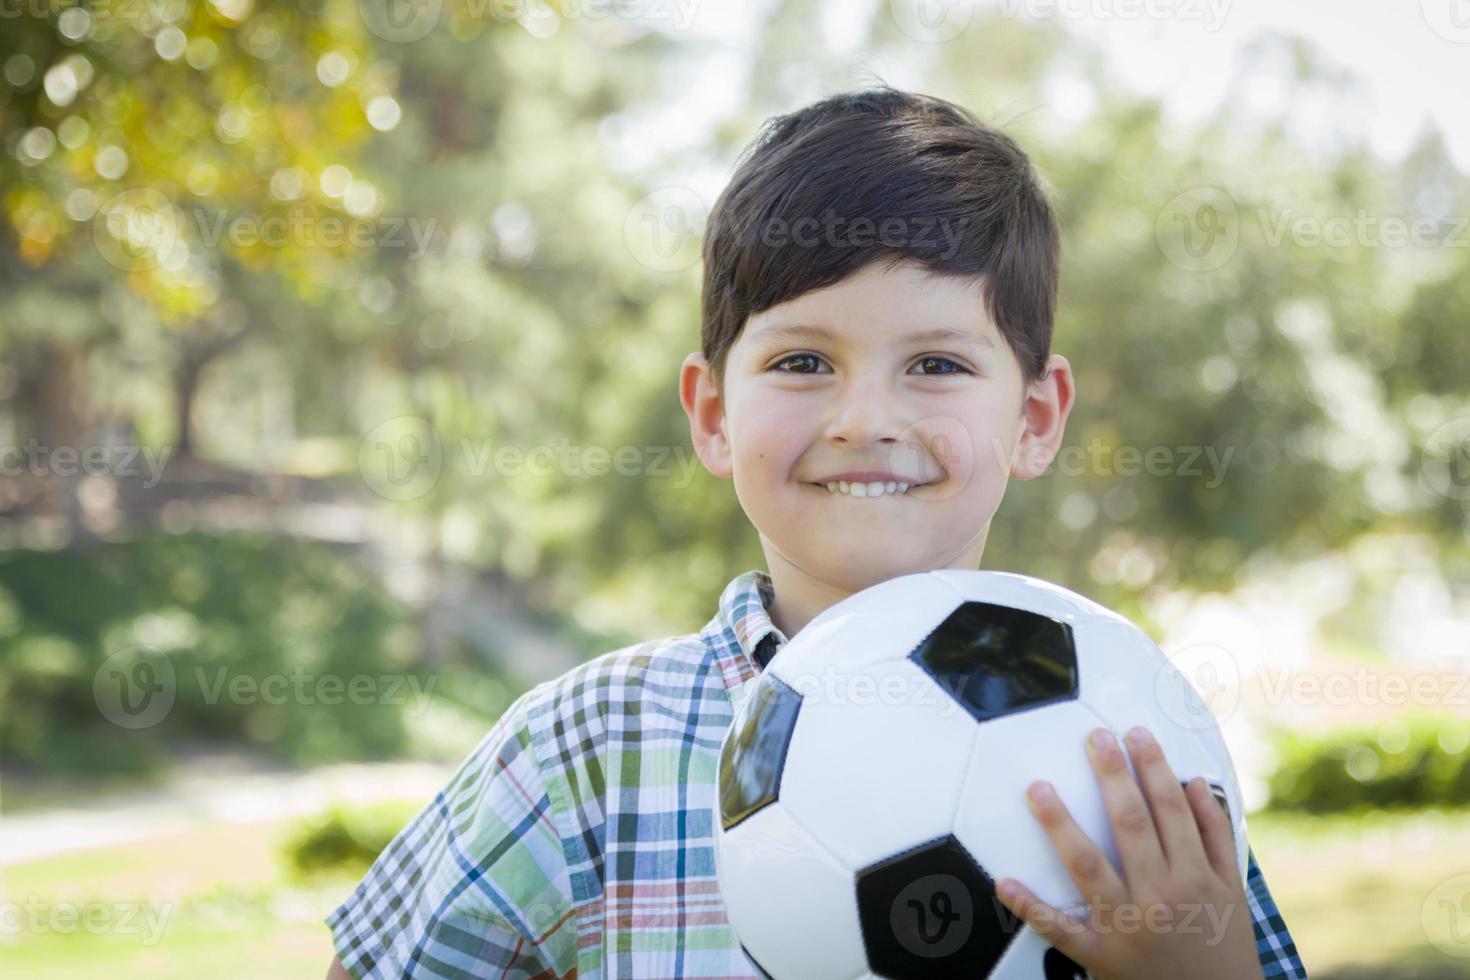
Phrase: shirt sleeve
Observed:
(476, 885)
(1274, 945)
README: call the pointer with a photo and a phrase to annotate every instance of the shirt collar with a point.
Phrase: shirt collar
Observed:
(743, 624)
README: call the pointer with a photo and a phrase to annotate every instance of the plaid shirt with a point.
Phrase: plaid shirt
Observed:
(578, 838)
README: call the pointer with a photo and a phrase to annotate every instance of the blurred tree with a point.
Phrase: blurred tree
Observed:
(515, 292)
(153, 148)
(1245, 354)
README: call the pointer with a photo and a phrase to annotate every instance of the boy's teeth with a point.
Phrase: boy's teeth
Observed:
(874, 489)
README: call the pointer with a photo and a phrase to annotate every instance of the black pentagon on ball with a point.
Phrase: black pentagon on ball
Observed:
(931, 911)
(754, 752)
(997, 660)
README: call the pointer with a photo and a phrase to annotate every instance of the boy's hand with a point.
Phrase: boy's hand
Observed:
(1179, 910)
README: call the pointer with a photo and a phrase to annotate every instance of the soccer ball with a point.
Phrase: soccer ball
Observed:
(871, 785)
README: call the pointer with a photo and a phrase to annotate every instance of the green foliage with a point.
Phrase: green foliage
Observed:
(164, 109)
(345, 839)
(1417, 760)
(532, 317)
(264, 639)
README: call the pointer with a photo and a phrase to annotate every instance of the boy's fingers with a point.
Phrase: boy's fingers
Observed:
(1215, 829)
(1133, 825)
(1089, 869)
(1173, 814)
(1074, 937)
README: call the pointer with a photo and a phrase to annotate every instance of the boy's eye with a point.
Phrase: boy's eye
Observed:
(810, 359)
(925, 361)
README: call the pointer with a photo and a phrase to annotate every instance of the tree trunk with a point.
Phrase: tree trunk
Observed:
(186, 385)
(55, 405)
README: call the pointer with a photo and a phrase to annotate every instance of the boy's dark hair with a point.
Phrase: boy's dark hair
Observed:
(934, 184)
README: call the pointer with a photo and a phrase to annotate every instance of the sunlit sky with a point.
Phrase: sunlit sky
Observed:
(1411, 59)
(1411, 73)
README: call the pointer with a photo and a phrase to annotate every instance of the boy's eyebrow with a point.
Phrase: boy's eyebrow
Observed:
(799, 331)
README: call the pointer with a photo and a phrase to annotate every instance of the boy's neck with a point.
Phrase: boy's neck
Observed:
(799, 597)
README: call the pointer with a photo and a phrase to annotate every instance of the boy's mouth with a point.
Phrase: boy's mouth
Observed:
(876, 488)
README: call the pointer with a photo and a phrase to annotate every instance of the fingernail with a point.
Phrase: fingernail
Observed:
(1101, 738)
(1139, 735)
(1041, 793)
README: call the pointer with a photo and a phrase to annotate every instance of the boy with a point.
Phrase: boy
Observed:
(880, 277)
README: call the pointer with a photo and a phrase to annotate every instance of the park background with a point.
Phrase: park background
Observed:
(338, 345)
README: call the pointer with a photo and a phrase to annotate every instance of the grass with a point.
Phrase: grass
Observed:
(1353, 889)
(1358, 891)
(217, 901)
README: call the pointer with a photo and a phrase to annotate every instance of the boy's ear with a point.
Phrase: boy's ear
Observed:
(1048, 401)
(706, 411)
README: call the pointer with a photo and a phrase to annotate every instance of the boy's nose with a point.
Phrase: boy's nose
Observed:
(866, 416)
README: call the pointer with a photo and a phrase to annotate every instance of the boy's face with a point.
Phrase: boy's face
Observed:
(949, 415)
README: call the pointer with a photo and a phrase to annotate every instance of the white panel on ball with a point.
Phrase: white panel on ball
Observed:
(1023, 592)
(855, 786)
(862, 629)
(814, 889)
(1137, 685)
(994, 822)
